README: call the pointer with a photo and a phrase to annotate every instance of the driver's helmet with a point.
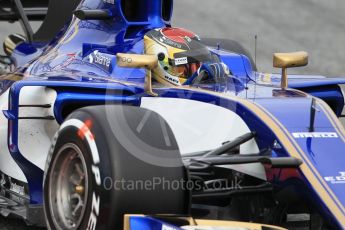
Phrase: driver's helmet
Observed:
(180, 54)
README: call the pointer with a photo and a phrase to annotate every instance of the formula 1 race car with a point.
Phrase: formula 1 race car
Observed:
(113, 119)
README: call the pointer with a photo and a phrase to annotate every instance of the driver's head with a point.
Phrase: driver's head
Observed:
(179, 52)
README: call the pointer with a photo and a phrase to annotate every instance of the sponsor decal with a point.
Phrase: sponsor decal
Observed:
(109, 1)
(171, 43)
(100, 59)
(87, 134)
(172, 80)
(188, 39)
(340, 179)
(181, 61)
(315, 135)
(94, 213)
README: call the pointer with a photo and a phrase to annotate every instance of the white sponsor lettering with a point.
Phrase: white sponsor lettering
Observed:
(109, 1)
(100, 59)
(95, 171)
(181, 61)
(92, 222)
(94, 213)
(336, 179)
(315, 135)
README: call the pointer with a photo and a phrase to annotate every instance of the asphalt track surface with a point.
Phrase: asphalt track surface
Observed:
(316, 26)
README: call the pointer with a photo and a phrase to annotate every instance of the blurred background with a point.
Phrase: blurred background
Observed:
(316, 26)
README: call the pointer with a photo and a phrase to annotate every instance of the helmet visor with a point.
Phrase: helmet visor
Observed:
(187, 63)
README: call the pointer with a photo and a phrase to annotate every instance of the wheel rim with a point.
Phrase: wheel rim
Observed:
(68, 188)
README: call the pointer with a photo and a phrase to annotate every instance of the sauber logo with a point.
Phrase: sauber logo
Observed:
(315, 135)
(336, 179)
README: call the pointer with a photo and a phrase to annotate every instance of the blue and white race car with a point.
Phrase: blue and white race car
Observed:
(113, 119)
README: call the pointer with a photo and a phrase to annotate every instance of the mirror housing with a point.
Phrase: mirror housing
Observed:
(289, 60)
(137, 61)
(149, 62)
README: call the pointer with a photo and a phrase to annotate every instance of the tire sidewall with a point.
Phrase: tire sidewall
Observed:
(107, 204)
(77, 132)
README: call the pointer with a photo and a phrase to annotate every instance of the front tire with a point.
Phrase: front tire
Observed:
(88, 158)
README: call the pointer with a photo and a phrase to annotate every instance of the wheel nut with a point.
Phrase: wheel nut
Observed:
(79, 189)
